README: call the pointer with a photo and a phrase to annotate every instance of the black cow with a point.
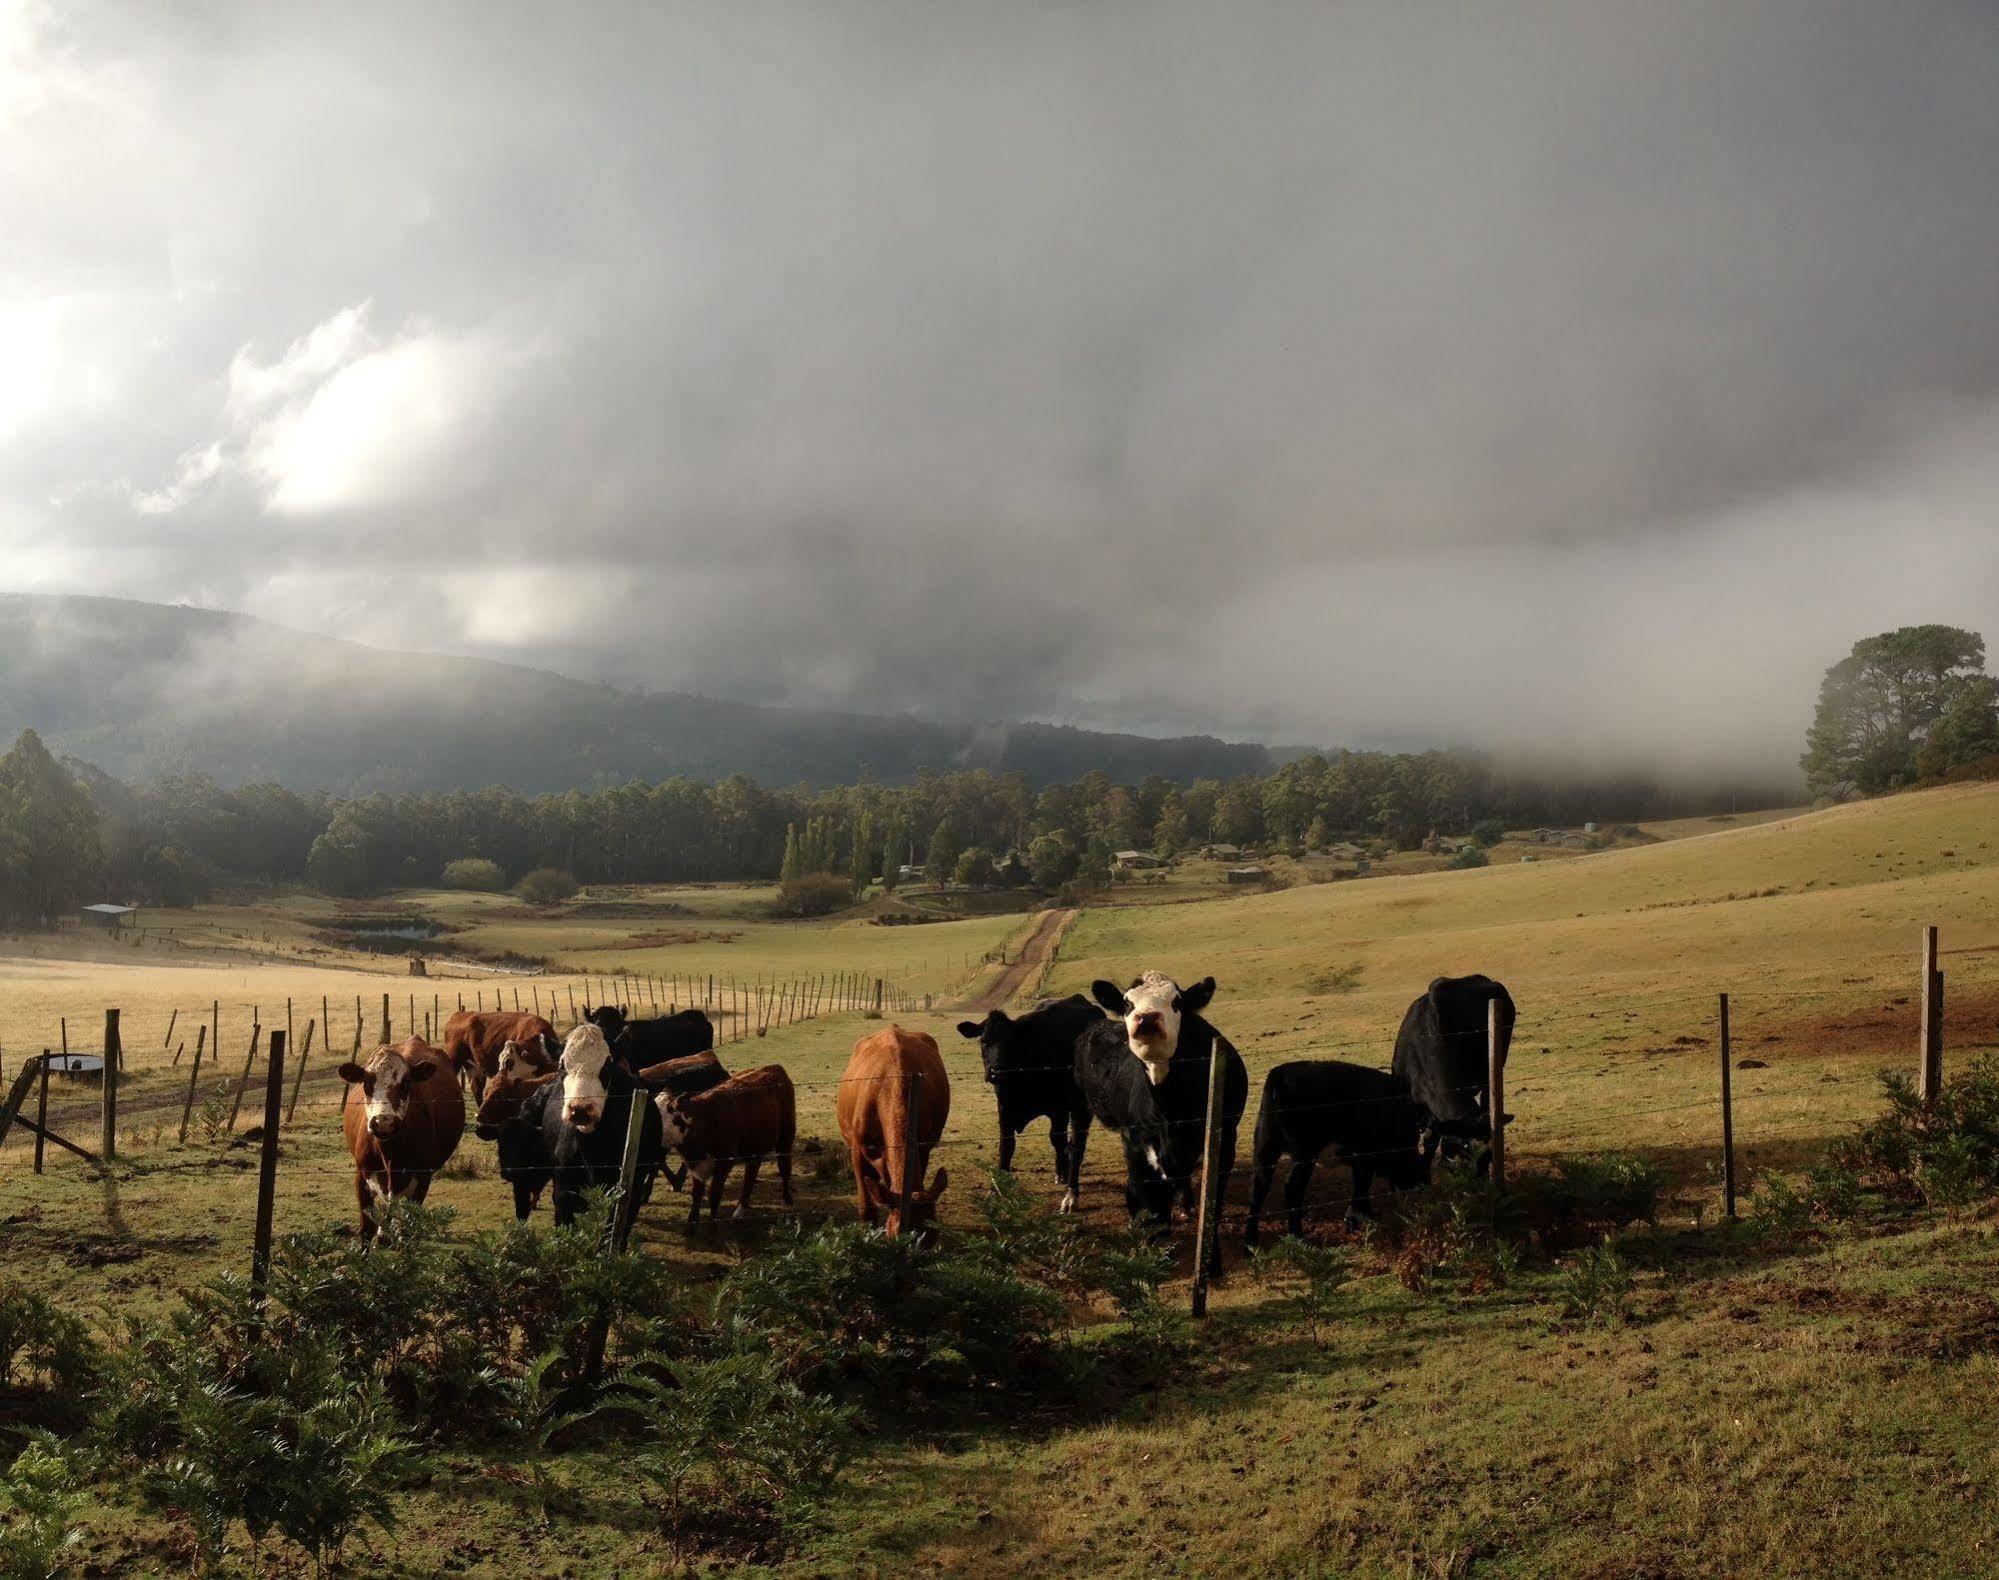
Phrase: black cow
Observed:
(584, 1126)
(1366, 1116)
(1440, 1056)
(1144, 1073)
(513, 1114)
(642, 1042)
(1031, 1066)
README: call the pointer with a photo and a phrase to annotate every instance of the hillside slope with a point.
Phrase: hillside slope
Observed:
(144, 689)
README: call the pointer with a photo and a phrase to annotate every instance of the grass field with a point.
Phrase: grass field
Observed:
(1808, 1405)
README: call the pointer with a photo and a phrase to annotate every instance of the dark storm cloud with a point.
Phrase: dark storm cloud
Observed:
(1569, 375)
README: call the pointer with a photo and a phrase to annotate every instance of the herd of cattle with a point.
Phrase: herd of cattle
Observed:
(1133, 1059)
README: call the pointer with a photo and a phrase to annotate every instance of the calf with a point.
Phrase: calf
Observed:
(698, 1072)
(512, 1114)
(875, 1118)
(1440, 1056)
(744, 1120)
(472, 1040)
(1366, 1116)
(583, 1127)
(402, 1116)
(1031, 1066)
(640, 1042)
(1145, 1075)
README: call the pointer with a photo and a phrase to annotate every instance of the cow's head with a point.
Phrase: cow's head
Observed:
(674, 1119)
(992, 1036)
(1152, 1009)
(607, 1018)
(921, 1220)
(519, 1076)
(584, 1092)
(385, 1082)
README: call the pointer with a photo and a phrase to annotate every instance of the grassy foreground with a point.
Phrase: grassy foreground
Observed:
(1811, 1401)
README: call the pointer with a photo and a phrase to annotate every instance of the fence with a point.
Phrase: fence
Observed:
(762, 1005)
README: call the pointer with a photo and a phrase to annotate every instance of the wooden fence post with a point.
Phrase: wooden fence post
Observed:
(1495, 1088)
(388, 1035)
(1727, 1122)
(112, 1052)
(168, 1040)
(298, 1079)
(249, 1063)
(267, 1165)
(1929, 1078)
(626, 1211)
(878, 995)
(194, 1075)
(42, 1112)
(1208, 1225)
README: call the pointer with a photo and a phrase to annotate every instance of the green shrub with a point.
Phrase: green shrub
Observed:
(1599, 1190)
(1594, 1287)
(1461, 1234)
(475, 872)
(1317, 1276)
(1944, 1155)
(815, 894)
(1470, 856)
(44, 1348)
(1489, 832)
(39, 1502)
(546, 886)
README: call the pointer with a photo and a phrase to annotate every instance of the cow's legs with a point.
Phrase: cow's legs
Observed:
(1261, 1173)
(695, 1186)
(1058, 1137)
(1296, 1183)
(784, 1175)
(523, 1202)
(861, 1185)
(365, 1195)
(1079, 1138)
(749, 1180)
(1007, 1139)
(715, 1183)
(1362, 1205)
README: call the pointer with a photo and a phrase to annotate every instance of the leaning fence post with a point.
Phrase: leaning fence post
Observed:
(112, 1052)
(193, 1075)
(242, 1086)
(42, 1112)
(628, 1170)
(1208, 1226)
(912, 1170)
(298, 1080)
(1929, 1047)
(1495, 1088)
(267, 1166)
(1727, 1123)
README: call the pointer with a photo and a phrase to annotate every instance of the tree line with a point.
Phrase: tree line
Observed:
(70, 833)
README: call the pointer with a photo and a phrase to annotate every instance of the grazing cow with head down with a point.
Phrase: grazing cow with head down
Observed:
(512, 1114)
(745, 1119)
(584, 1125)
(1031, 1066)
(874, 1114)
(1144, 1073)
(1440, 1056)
(1366, 1116)
(663, 1037)
(402, 1116)
(472, 1040)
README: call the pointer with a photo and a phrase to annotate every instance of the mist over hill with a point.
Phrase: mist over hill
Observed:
(142, 690)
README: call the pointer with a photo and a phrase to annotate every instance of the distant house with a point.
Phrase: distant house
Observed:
(1575, 842)
(1138, 858)
(108, 915)
(1346, 850)
(907, 873)
(1246, 874)
(1222, 852)
(1589, 828)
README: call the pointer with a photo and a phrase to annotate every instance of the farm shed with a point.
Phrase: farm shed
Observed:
(108, 915)
(1246, 874)
(1223, 852)
(1138, 858)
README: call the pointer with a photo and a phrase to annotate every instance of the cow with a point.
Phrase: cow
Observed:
(583, 1127)
(745, 1119)
(641, 1042)
(402, 1115)
(697, 1072)
(1440, 1056)
(1366, 1116)
(874, 1113)
(1031, 1066)
(1144, 1073)
(512, 1114)
(472, 1040)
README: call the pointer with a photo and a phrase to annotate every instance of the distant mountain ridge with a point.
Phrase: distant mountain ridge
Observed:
(143, 690)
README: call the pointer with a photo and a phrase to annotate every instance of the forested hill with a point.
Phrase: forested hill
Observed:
(144, 690)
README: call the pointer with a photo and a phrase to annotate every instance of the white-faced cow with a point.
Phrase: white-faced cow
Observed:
(584, 1128)
(1440, 1056)
(1366, 1117)
(402, 1116)
(1030, 1064)
(1144, 1073)
(747, 1118)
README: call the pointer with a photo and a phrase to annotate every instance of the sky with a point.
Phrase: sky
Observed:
(1566, 379)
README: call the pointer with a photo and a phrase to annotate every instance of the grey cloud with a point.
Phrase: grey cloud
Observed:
(1349, 373)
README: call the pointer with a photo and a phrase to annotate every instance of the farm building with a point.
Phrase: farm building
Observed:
(1138, 858)
(107, 915)
(907, 872)
(1246, 874)
(1222, 852)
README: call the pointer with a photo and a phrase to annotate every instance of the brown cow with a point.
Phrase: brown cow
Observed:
(874, 1113)
(473, 1039)
(403, 1115)
(744, 1120)
(509, 1116)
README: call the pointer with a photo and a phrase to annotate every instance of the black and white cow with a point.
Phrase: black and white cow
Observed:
(1440, 1056)
(1030, 1064)
(1366, 1117)
(584, 1129)
(1144, 1073)
(642, 1042)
